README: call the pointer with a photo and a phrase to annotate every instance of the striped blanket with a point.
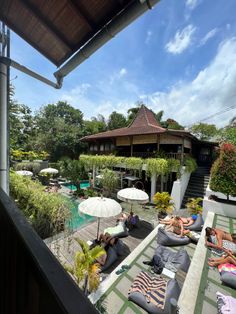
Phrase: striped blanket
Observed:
(227, 267)
(153, 288)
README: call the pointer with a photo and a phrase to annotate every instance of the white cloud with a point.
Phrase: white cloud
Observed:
(122, 72)
(212, 89)
(191, 4)
(148, 37)
(208, 36)
(181, 41)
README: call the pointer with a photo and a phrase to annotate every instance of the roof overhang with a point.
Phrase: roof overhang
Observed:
(67, 32)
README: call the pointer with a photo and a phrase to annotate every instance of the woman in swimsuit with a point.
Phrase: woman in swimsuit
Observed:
(229, 258)
(178, 227)
(220, 236)
(186, 221)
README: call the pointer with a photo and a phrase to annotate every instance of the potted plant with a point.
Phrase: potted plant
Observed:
(163, 204)
(85, 269)
(193, 206)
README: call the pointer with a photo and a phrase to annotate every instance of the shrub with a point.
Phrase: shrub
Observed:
(163, 202)
(190, 164)
(223, 171)
(30, 166)
(46, 212)
(193, 205)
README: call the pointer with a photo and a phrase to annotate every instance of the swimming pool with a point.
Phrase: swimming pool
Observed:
(77, 219)
(72, 187)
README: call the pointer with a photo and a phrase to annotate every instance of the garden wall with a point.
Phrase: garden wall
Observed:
(220, 208)
(218, 194)
(179, 188)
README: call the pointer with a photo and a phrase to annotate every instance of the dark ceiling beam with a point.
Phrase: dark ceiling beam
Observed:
(83, 14)
(47, 23)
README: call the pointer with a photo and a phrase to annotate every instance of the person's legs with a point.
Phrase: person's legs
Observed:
(102, 259)
(227, 259)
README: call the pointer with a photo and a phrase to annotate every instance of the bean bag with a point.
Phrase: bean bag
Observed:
(180, 259)
(120, 248)
(197, 225)
(119, 231)
(170, 239)
(173, 292)
(228, 279)
(111, 258)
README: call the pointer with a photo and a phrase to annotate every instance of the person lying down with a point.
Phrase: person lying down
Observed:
(186, 221)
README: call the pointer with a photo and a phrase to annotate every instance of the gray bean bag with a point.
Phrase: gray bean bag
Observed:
(120, 248)
(170, 239)
(173, 292)
(197, 225)
(111, 258)
(179, 260)
(228, 279)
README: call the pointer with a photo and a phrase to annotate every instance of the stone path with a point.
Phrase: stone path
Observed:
(210, 278)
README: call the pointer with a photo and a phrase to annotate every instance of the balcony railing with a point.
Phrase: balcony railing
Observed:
(31, 278)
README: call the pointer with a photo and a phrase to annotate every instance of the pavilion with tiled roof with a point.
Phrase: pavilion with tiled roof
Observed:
(142, 138)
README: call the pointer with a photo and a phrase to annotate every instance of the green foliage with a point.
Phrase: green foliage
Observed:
(132, 112)
(193, 205)
(116, 120)
(204, 131)
(95, 125)
(46, 212)
(174, 165)
(223, 171)
(109, 181)
(85, 267)
(17, 154)
(29, 166)
(133, 162)
(228, 135)
(190, 164)
(101, 161)
(157, 166)
(163, 202)
(172, 124)
(74, 170)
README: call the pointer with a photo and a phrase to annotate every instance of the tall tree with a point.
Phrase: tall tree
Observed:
(132, 112)
(204, 131)
(22, 126)
(59, 130)
(116, 120)
(95, 125)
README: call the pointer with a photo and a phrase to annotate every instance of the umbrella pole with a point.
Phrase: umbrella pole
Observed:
(98, 227)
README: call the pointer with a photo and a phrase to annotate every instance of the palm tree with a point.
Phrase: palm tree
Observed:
(85, 268)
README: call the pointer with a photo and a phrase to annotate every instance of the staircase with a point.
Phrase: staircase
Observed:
(197, 184)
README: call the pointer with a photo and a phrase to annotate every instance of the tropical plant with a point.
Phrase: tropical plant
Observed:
(223, 171)
(163, 202)
(73, 170)
(109, 181)
(17, 154)
(30, 166)
(85, 268)
(133, 163)
(46, 212)
(193, 205)
(157, 166)
(204, 131)
(116, 120)
(174, 165)
(190, 164)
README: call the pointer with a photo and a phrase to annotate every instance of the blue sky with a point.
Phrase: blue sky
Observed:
(179, 57)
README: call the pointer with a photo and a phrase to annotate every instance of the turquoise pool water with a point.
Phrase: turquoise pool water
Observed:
(77, 219)
(83, 185)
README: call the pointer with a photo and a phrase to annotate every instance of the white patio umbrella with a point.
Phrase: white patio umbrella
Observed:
(24, 173)
(49, 170)
(133, 196)
(100, 207)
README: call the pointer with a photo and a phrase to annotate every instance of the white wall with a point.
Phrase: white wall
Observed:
(218, 208)
(218, 194)
(179, 188)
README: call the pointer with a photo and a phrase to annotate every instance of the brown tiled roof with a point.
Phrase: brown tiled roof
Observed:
(144, 123)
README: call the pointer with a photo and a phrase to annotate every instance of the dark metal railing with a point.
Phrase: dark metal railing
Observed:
(31, 278)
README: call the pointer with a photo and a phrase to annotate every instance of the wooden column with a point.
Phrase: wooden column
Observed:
(131, 146)
(158, 142)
